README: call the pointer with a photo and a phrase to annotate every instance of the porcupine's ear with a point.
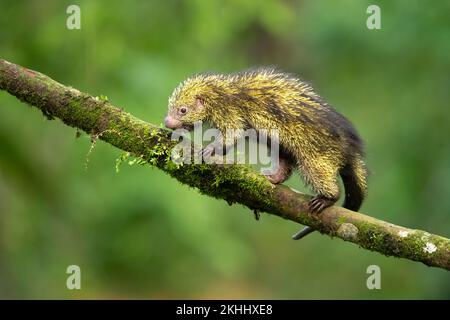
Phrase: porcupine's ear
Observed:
(199, 103)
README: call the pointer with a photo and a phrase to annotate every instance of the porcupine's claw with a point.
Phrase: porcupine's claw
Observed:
(207, 151)
(315, 205)
(319, 203)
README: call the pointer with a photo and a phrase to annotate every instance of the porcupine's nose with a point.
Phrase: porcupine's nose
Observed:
(169, 123)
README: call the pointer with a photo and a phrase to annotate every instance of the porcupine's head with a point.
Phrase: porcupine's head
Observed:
(187, 104)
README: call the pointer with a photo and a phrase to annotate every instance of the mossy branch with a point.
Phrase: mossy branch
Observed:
(233, 183)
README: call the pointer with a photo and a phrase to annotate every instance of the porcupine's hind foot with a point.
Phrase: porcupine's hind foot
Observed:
(315, 205)
(283, 172)
(319, 203)
(323, 183)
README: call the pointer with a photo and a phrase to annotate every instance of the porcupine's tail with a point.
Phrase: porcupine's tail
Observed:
(354, 176)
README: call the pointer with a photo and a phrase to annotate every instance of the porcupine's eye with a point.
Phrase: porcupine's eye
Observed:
(183, 110)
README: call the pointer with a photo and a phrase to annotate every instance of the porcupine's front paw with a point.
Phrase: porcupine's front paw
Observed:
(275, 178)
(283, 172)
(319, 203)
(207, 152)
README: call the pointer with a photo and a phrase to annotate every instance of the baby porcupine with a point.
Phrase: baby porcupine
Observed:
(313, 137)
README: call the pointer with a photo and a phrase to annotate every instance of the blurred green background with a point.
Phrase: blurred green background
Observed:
(141, 234)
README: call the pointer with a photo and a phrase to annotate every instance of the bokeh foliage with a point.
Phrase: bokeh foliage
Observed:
(140, 234)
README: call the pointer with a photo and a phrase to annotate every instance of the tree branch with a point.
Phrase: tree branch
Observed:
(233, 183)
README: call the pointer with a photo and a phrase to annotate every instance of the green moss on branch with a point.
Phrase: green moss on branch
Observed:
(233, 183)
